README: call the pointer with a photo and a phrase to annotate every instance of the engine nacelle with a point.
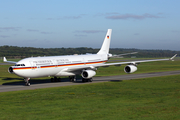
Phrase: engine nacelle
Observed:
(10, 70)
(86, 74)
(130, 68)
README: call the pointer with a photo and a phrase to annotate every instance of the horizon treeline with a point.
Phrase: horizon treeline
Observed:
(22, 52)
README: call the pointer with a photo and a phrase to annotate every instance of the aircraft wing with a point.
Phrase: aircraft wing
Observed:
(135, 62)
(5, 60)
(93, 67)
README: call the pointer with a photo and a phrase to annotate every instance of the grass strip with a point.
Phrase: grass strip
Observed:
(149, 98)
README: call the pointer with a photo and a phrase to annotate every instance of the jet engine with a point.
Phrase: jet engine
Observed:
(10, 70)
(130, 68)
(87, 74)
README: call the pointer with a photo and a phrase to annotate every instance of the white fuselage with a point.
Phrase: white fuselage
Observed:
(56, 65)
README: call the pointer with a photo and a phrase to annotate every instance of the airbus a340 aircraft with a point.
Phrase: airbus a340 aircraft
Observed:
(71, 65)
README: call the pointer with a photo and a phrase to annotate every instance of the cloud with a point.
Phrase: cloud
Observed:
(32, 30)
(32, 40)
(9, 28)
(50, 19)
(46, 32)
(67, 17)
(105, 14)
(80, 35)
(4, 36)
(132, 16)
(175, 31)
(89, 31)
(136, 34)
(37, 40)
(43, 32)
(70, 17)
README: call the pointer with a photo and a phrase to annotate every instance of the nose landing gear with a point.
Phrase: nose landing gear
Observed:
(27, 81)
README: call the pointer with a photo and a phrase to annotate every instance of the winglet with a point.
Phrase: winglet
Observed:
(4, 59)
(173, 57)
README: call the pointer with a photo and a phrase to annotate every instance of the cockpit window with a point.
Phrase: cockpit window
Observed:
(19, 64)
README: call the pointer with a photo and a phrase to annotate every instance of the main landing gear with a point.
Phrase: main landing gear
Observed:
(87, 80)
(55, 79)
(72, 78)
(27, 81)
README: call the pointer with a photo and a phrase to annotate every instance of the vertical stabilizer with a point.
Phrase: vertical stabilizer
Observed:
(106, 44)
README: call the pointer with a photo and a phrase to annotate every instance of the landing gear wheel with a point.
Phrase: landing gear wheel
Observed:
(27, 81)
(27, 84)
(55, 79)
(90, 80)
(59, 79)
(87, 80)
(52, 80)
(72, 78)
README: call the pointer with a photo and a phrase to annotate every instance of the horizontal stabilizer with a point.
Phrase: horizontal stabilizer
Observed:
(120, 55)
(5, 60)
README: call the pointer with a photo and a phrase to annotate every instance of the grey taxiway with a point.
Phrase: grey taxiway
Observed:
(35, 85)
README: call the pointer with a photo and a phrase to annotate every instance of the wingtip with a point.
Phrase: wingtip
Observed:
(173, 57)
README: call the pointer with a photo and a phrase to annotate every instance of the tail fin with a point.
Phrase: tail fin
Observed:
(106, 44)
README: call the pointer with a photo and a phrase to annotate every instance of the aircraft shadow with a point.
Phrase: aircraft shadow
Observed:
(32, 81)
(47, 80)
(80, 81)
(11, 78)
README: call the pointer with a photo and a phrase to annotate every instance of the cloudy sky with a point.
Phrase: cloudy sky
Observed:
(141, 24)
